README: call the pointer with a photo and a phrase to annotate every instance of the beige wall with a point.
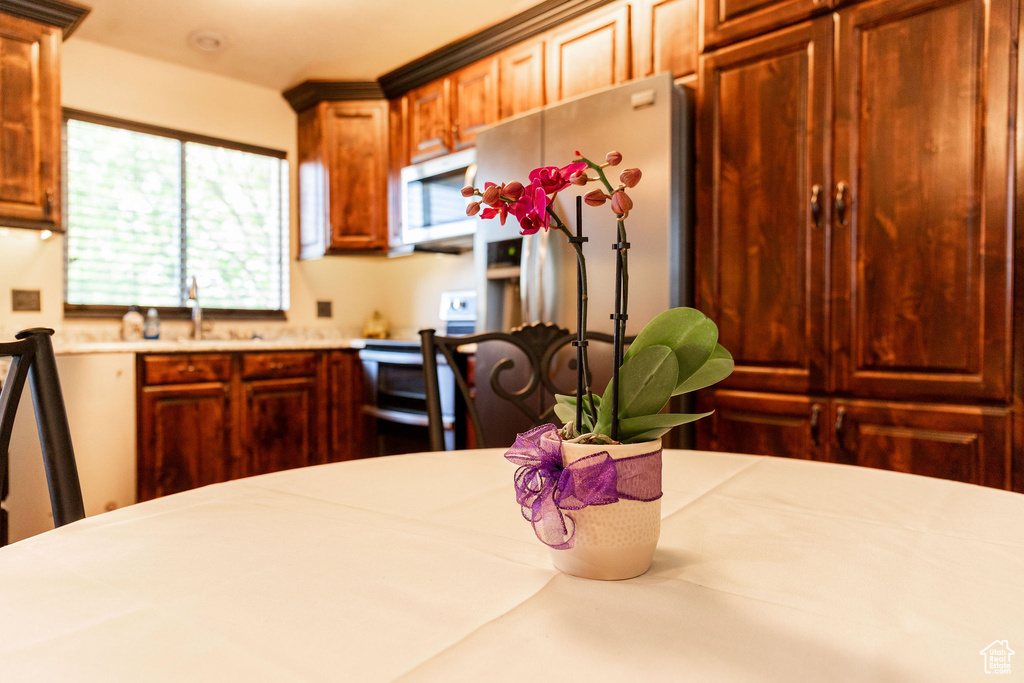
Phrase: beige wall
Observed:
(106, 81)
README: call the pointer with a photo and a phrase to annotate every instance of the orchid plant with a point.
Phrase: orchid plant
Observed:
(677, 352)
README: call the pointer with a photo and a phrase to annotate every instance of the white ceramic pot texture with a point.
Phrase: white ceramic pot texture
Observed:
(615, 541)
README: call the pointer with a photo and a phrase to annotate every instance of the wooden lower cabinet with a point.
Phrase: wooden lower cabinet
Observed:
(762, 424)
(280, 427)
(959, 442)
(207, 418)
(184, 438)
(347, 425)
(962, 443)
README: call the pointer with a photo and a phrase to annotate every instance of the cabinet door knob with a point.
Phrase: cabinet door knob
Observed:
(190, 368)
(841, 207)
(816, 205)
(48, 202)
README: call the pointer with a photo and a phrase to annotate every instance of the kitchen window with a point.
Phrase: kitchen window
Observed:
(148, 209)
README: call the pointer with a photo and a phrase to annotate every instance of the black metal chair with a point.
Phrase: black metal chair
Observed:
(32, 358)
(532, 393)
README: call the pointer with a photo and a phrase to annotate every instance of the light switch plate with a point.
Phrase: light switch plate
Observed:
(323, 309)
(27, 300)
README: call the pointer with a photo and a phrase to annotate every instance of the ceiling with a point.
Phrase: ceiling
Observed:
(279, 44)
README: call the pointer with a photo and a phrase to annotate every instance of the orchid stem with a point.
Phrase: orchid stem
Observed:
(582, 264)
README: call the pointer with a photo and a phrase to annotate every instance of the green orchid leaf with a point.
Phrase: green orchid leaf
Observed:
(649, 427)
(690, 334)
(565, 410)
(646, 382)
(718, 367)
(565, 413)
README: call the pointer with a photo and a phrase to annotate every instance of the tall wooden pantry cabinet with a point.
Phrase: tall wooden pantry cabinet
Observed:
(855, 234)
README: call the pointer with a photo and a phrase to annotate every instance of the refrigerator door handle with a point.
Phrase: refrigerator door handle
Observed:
(542, 257)
(524, 279)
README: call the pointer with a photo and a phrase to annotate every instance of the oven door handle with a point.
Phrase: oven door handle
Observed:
(392, 357)
(402, 417)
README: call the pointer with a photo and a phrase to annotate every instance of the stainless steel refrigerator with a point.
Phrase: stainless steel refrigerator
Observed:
(533, 278)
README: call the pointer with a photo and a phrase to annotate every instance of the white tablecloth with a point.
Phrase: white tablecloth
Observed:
(421, 568)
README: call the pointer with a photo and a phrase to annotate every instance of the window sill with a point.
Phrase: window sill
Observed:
(83, 311)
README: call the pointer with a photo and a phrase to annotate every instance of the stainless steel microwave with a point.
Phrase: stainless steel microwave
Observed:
(433, 208)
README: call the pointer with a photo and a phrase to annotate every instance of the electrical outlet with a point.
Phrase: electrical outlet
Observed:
(324, 309)
(25, 300)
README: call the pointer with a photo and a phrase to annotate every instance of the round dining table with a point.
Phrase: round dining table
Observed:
(421, 567)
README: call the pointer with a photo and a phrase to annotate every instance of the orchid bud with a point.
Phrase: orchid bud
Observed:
(579, 178)
(490, 196)
(468, 191)
(595, 198)
(621, 203)
(613, 158)
(513, 190)
(473, 208)
(630, 177)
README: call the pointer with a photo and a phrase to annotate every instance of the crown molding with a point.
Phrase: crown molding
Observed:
(308, 93)
(443, 61)
(447, 59)
(60, 13)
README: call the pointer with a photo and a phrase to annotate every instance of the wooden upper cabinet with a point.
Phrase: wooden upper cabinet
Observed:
(30, 144)
(666, 34)
(590, 53)
(430, 120)
(726, 21)
(962, 443)
(922, 250)
(343, 177)
(760, 243)
(398, 143)
(763, 424)
(521, 78)
(474, 101)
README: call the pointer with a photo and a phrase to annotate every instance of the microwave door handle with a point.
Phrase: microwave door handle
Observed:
(524, 279)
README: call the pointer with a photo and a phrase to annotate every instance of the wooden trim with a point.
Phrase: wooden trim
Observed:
(60, 13)
(103, 120)
(171, 312)
(309, 93)
(490, 41)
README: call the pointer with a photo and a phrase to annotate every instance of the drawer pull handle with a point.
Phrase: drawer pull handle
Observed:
(190, 368)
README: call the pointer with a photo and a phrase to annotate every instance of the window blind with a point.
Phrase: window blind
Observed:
(146, 212)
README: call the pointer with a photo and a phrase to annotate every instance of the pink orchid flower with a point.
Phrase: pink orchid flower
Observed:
(554, 179)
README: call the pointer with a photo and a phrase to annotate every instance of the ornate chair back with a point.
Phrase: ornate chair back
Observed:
(529, 384)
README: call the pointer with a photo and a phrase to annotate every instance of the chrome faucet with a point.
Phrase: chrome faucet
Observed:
(197, 310)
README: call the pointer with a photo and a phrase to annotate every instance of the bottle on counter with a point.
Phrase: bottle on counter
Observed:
(131, 324)
(151, 330)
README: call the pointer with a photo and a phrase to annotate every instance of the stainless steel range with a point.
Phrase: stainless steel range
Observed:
(395, 391)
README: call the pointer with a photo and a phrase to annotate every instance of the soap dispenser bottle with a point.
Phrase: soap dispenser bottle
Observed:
(152, 328)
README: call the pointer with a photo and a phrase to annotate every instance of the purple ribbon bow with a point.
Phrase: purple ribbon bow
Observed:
(545, 489)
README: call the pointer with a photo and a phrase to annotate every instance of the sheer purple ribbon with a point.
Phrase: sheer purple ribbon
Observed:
(546, 490)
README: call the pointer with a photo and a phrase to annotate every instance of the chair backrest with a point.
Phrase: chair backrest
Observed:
(32, 358)
(531, 392)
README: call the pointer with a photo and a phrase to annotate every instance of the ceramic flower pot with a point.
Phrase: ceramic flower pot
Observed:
(617, 540)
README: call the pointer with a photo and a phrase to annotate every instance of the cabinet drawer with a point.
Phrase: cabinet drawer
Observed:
(260, 365)
(186, 368)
